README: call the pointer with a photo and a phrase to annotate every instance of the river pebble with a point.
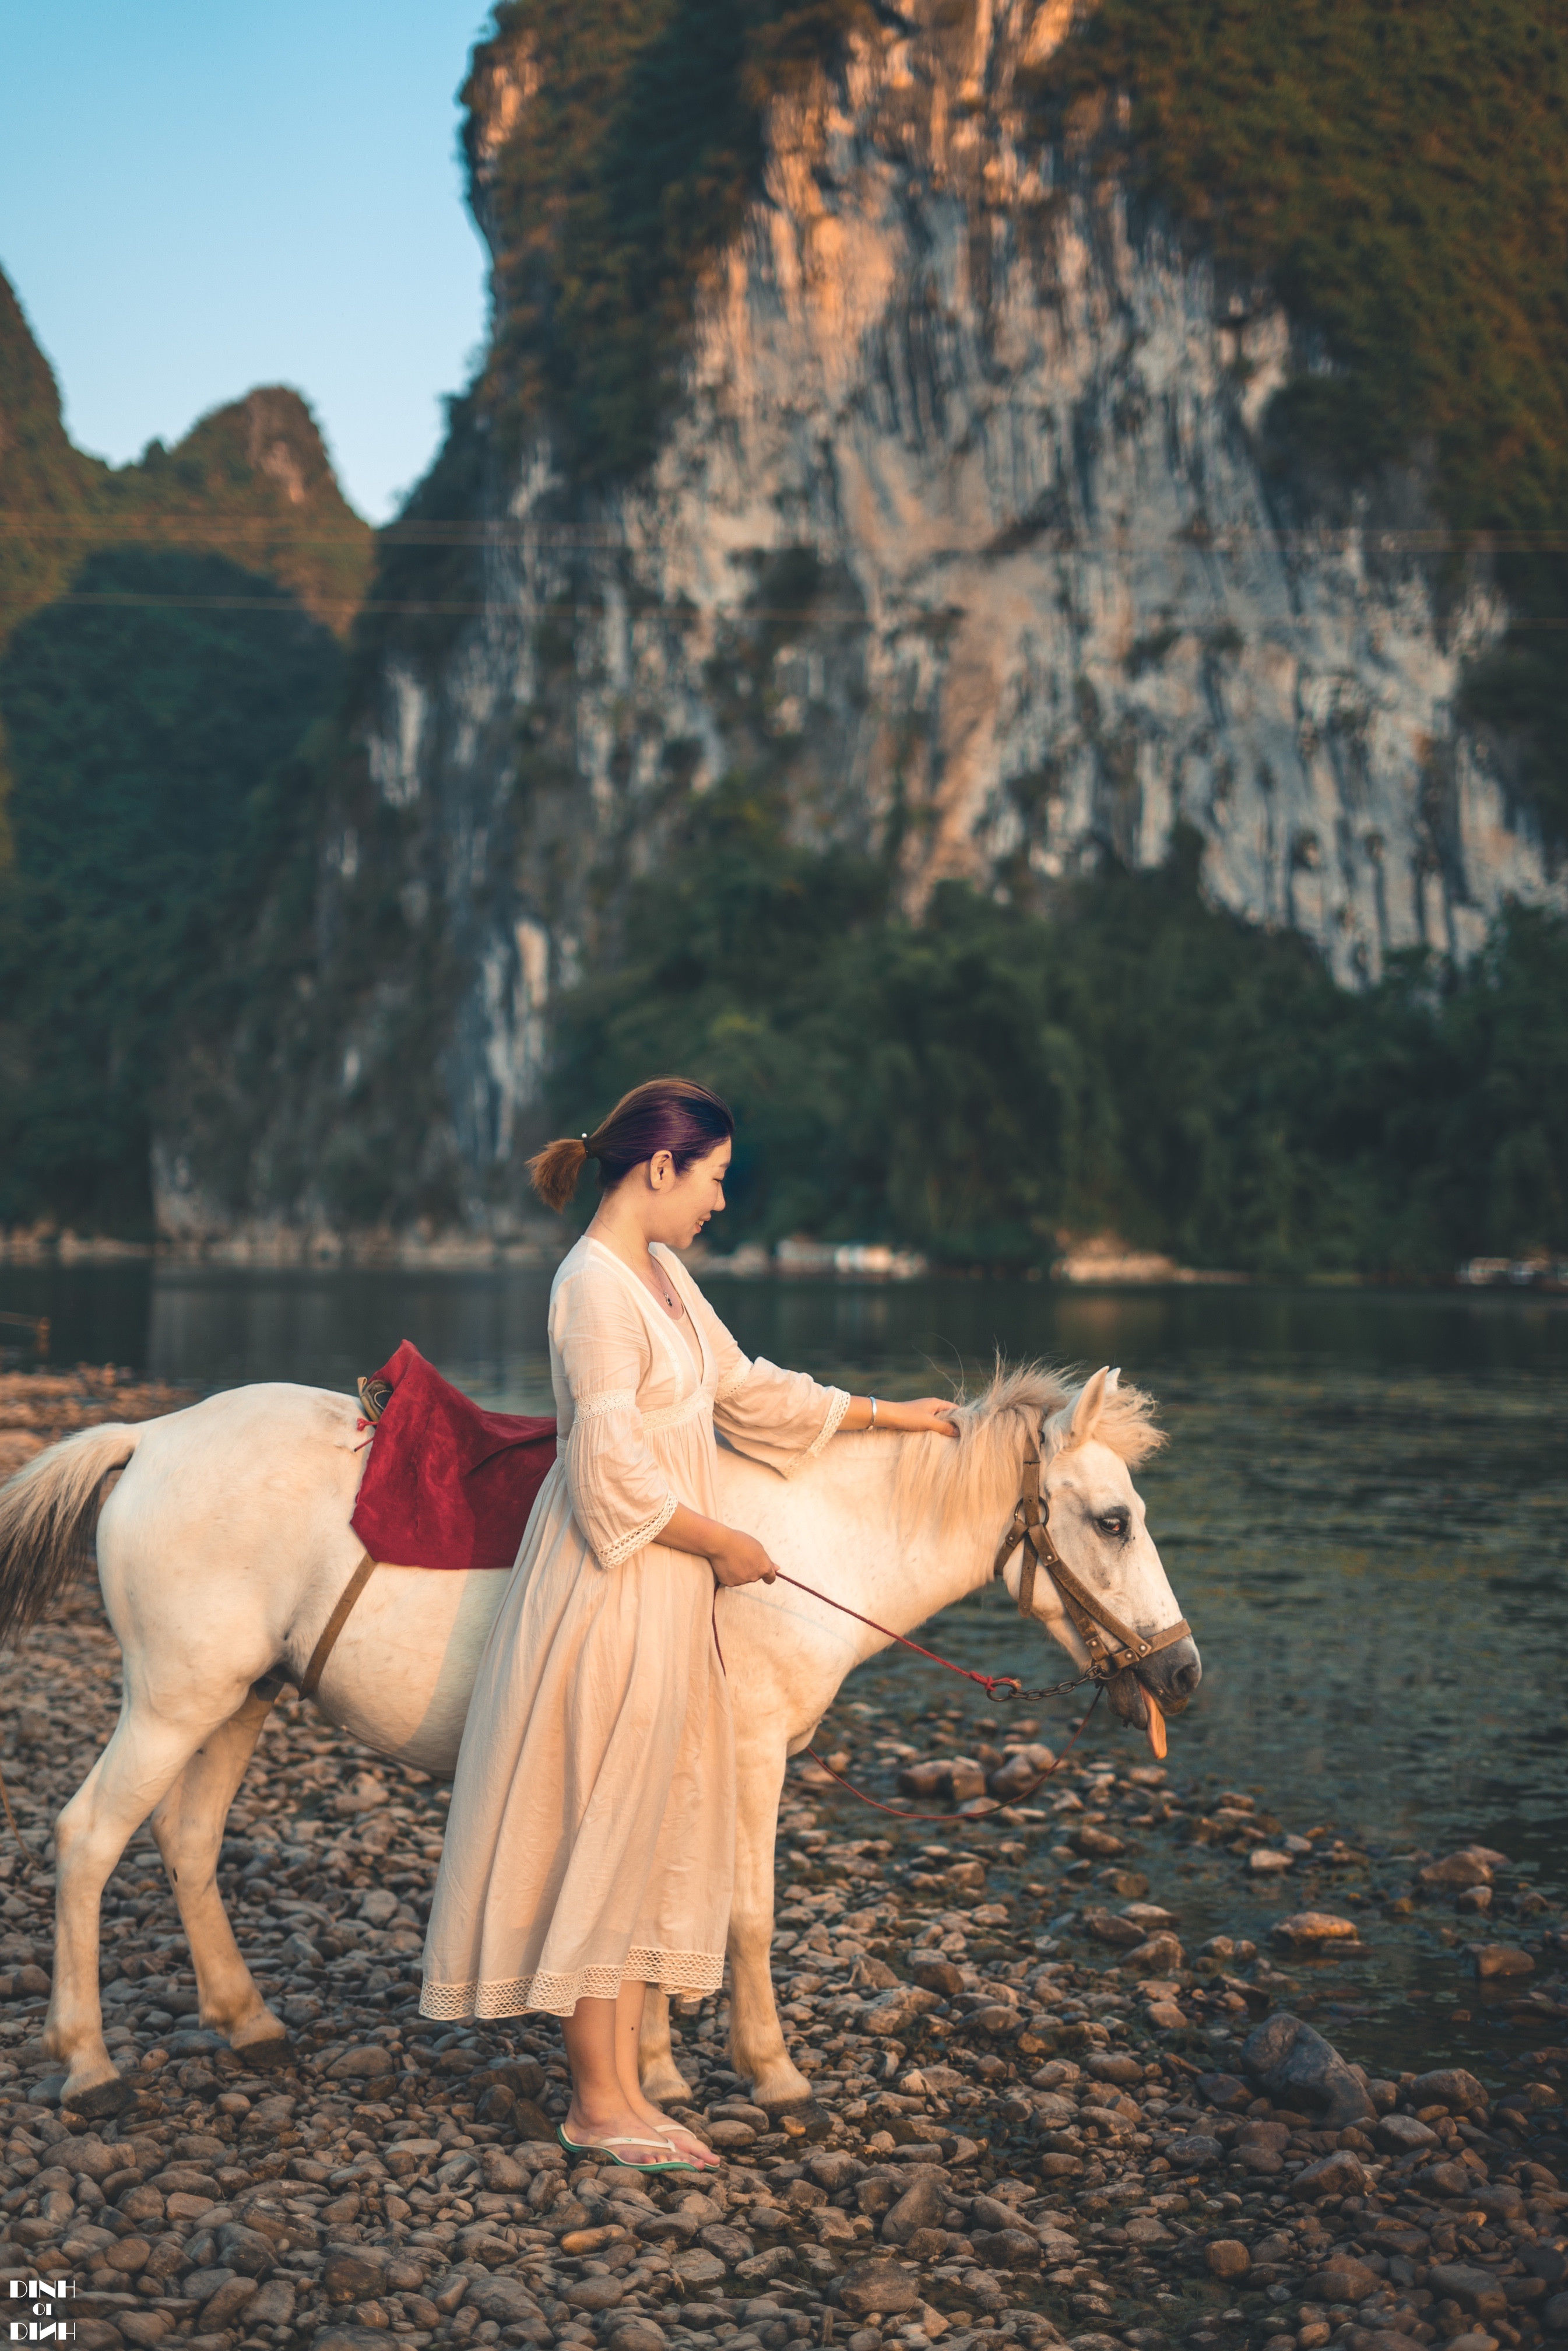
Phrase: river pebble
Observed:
(1036, 2116)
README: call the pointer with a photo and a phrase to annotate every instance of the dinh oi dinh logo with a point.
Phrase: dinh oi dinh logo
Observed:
(40, 2318)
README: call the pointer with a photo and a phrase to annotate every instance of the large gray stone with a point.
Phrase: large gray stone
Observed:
(1450, 2086)
(351, 2277)
(697, 2267)
(1338, 2174)
(1403, 2135)
(229, 2303)
(596, 2293)
(1476, 2289)
(248, 2251)
(1345, 2280)
(1297, 2067)
(877, 2290)
(504, 2299)
(367, 2062)
(921, 2205)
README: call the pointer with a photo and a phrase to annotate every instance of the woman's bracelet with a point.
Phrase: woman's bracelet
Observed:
(872, 1411)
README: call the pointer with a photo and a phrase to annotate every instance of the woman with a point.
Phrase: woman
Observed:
(590, 1850)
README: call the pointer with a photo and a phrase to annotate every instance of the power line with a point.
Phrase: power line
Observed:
(285, 604)
(154, 535)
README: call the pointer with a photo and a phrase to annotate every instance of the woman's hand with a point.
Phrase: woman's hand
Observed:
(733, 1557)
(740, 1559)
(921, 1417)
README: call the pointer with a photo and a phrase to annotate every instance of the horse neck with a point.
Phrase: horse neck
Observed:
(905, 1568)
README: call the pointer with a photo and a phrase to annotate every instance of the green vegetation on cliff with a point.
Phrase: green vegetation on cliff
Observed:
(641, 147)
(147, 731)
(1400, 174)
(981, 1081)
(168, 633)
(251, 482)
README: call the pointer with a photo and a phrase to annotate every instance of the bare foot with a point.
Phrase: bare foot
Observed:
(685, 2142)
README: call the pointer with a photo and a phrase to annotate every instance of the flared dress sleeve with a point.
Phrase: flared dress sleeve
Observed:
(784, 1418)
(621, 1497)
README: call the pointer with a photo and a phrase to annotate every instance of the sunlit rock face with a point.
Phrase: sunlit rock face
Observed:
(963, 523)
(963, 532)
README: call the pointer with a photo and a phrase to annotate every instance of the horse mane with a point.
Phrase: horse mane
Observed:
(956, 1483)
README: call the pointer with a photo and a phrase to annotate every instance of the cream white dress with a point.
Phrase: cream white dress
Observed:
(591, 1837)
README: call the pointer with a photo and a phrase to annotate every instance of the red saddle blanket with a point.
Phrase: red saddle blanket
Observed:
(445, 1484)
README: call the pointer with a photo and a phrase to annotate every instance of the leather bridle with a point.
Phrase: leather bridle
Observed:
(1093, 1620)
(1097, 1626)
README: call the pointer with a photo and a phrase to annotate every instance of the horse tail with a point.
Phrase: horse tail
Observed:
(48, 1514)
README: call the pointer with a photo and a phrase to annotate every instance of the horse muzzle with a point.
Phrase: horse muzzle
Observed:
(1169, 1678)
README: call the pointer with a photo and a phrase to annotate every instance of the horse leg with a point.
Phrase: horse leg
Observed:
(756, 2037)
(145, 1755)
(189, 1826)
(662, 2080)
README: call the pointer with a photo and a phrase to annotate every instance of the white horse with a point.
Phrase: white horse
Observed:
(226, 1544)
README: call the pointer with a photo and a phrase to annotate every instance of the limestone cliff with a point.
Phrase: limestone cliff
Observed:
(964, 526)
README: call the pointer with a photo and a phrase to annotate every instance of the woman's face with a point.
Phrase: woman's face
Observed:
(686, 1202)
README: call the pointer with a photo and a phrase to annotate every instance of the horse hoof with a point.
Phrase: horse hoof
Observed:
(102, 2100)
(269, 2056)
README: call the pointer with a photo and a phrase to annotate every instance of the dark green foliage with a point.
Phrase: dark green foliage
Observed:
(251, 481)
(1398, 169)
(979, 1082)
(46, 485)
(145, 740)
(430, 573)
(641, 144)
(141, 794)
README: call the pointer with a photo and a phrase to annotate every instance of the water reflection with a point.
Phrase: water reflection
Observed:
(216, 1326)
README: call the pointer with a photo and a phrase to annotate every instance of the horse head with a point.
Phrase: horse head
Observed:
(1089, 1447)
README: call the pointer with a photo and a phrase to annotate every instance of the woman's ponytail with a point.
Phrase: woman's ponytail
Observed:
(663, 1114)
(555, 1170)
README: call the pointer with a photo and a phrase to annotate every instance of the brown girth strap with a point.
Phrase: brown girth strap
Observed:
(270, 1685)
(1088, 1612)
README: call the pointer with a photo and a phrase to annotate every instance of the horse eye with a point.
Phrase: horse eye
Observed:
(1114, 1523)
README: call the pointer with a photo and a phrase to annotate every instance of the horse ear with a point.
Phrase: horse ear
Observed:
(1113, 1379)
(1086, 1411)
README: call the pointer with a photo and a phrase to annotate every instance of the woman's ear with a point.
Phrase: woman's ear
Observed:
(661, 1170)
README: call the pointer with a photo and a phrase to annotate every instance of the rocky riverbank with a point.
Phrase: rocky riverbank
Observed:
(1009, 2134)
(38, 1408)
(1037, 2115)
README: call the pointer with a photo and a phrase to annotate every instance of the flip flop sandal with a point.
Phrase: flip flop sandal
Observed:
(715, 2162)
(609, 2146)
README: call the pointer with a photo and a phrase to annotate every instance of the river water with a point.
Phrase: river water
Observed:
(1363, 1510)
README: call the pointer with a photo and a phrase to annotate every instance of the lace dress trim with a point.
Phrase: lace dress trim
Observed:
(734, 1379)
(638, 1540)
(836, 1412)
(595, 1407)
(673, 1971)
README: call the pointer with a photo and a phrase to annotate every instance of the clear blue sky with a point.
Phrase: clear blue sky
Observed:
(198, 198)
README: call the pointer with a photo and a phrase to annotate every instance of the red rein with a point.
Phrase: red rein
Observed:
(989, 1683)
(1008, 1684)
